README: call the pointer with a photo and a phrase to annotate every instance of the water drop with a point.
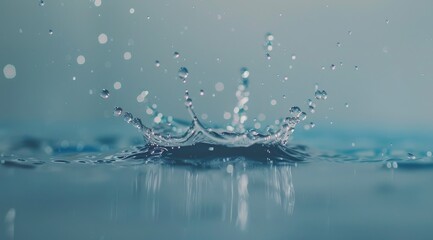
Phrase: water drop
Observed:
(268, 56)
(9, 71)
(50, 32)
(104, 94)
(312, 125)
(219, 86)
(429, 154)
(302, 116)
(338, 44)
(273, 102)
(183, 74)
(245, 73)
(387, 21)
(102, 38)
(286, 78)
(269, 37)
(349, 33)
(411, 156)
(176, 55)
(117, 85)
(74, 78)
(117, 111)
(157, 63)
(201, 92)
(346, 105)
(41, 3)
(132, 11)
(127, 55)
(295, 111)
(333, 66)
(356, 67)
(127, 117)
(293, 57)
(81, 60)
(394, 164)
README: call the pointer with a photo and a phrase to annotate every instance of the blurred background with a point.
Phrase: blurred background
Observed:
(374, 59)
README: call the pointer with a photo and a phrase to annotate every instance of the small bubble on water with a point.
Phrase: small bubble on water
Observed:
(127, 117)
(50, 32)
(284, 96)
(201, 92)
(183, 74)
(131, 10)
(312, 125)
(98, 3)
(273, 102)
(176, 55)
(346, 105)
(411, 156)
(268, 56)
(41, 3)
(104, 94)
(356, 67)
(157, 64)
(117, 111)
(333, 67)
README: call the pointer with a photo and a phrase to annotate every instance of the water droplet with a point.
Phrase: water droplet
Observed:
(411, 156)
(148, 17)
(81, 60)
(269, 37)
(127, 116)
(346, 105)
(312, 125)
(349, 33)
(302, 116)
(201, 92)
(293, 57)
(183, 74)
(386, 21)
(117, 85)
(321, 94)
(50, 32)
(219, 86)
(338, 44)
(286, 78)
(41, 3)
(98, 3)
(9, 71)
(356, 67)
(102, 38)
(104, 94)
(176, 55)
(157, 63)
(295, 111)
(273, 102)
(117, 111)
(333, 66)
(127, 55)
(131, 10)
(429, 153)
(74, 78)
(268, 56)
(245, 73)
(394, 164)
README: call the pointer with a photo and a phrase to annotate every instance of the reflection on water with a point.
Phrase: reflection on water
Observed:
(193, 194)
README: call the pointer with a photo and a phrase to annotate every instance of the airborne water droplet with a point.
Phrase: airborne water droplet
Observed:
(411, 156)
(41, 3)
(104, 94)
(50, 32)
(201, 92)
(183, 74)
(117, 111)
(176, 55)
(127, 117)
(245, 73)
(157, 63)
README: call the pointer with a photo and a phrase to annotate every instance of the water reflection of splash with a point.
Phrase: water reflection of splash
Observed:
(217, 193)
